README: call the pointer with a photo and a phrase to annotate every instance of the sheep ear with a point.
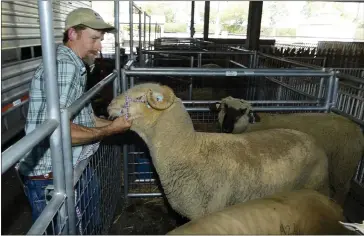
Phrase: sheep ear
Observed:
(163, 101)
(215, 107)
(257, 117)
(253, 117)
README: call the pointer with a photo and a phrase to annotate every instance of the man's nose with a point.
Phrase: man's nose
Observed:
(98, 46)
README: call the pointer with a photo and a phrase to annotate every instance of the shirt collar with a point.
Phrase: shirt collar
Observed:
(64, 49)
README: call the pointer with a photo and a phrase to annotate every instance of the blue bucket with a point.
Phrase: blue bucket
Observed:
(142, 166)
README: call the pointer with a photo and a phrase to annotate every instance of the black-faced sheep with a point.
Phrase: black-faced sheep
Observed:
(303, 212)
(341, 138)
(205, 172)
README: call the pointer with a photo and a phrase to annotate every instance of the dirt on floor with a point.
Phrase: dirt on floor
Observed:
(144, 216)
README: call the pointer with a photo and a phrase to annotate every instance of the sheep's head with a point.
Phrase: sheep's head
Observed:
(234, 115)
(143, 104)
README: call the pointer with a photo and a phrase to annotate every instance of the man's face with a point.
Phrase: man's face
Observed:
(88, 42)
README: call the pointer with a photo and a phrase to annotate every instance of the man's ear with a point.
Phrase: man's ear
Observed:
(215, 107)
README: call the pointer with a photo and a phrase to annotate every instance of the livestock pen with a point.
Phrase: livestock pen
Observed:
(143, 210)
(84, 195)
(271, 84)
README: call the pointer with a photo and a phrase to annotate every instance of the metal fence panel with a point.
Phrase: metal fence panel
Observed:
(98, 190)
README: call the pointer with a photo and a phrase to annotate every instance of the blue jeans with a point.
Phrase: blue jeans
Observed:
(88, 193)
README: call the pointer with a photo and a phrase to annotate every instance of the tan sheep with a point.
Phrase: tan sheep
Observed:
(205, 172)
(341, 138)
(304, 212)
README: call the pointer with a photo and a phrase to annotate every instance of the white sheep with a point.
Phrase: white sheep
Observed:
(304, 212)
(205, 172)
(341, 138)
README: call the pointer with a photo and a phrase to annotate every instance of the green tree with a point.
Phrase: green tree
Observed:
(160, 8)
(235, 18)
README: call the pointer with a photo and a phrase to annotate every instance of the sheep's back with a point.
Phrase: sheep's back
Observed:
(265, 158)
(341, 139)
(298, 212)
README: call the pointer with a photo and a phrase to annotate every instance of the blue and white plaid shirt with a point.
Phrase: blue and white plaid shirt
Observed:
(72, 79)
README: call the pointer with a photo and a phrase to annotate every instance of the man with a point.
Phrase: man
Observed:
(84, 31)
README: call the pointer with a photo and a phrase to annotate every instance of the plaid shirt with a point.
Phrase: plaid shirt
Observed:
(71, 73)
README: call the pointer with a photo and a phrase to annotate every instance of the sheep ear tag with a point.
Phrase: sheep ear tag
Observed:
(159, 98)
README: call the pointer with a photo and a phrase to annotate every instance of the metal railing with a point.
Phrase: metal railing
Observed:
(68, 207)
(139, 176)
(349, 98)
(50, 127)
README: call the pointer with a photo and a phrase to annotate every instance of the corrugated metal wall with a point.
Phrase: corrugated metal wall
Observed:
(21, 54)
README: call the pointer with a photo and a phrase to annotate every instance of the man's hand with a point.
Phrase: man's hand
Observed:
(83, 135)
(120, 125)
(101, 122)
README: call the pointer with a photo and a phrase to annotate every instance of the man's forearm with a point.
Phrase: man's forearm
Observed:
(83, 135)
(101, 122)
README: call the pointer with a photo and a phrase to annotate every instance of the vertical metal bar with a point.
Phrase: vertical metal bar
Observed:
(192, 24)
(124, 83)
(140, 44)
(52, 96)
(68, 167)
(116, 82)
(280, 87)
(131, 28)
(51, 87)
(251, 58)
(131, 82)
(191, 80)
(199, 60)
(150, 28)
(255, 60)
(155, 32)
(125, 159)
(330, 85)
(140, 35)
(335, 91)
(145, 30)
(320, 90)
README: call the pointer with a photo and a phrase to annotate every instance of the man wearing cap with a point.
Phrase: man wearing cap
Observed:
(84, 30)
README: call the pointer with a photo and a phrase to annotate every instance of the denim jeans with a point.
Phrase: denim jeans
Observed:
(88, 193)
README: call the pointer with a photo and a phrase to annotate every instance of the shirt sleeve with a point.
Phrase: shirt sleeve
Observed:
(67, 83)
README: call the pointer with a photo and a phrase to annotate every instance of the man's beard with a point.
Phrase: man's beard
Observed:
(90, 58)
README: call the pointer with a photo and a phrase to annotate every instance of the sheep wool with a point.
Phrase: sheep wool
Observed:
(342, 139)
(204, 172)
(304, 212)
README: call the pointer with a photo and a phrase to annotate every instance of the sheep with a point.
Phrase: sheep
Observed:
(204, 89)
(295, 212)
(204, 172)
(341, 138)
(207, 93)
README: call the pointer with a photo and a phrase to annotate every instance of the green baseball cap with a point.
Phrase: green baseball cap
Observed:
(89, 18)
